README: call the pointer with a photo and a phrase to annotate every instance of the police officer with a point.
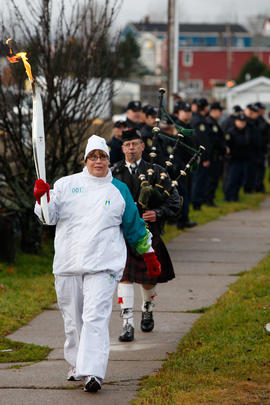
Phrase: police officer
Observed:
(194, 106)
(144, 109)
(115, 143)
(238, 142)
(161, 142)
(218, 150)
(226, 125)
(150, 114)
(202, 133)
(252, 113)
(230, 120)
(182, 116)
(264, 128)
(134, 114)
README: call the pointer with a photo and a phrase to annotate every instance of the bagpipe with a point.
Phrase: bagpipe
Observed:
(154, 191)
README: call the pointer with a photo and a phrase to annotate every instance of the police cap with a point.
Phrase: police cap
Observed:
(145, 107)
(241, 117)
(166, 121)
(253, 107)
(237, 108)
(134, 106)
(151, 111)
(178, 105)
(216, 106)
(202, 103)
(260, 105)
(120, 123)
(187, 107)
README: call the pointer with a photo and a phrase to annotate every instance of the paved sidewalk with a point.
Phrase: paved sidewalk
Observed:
(206, 260)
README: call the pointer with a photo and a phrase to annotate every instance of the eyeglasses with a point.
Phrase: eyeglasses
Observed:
(129, 144)
(94, 158)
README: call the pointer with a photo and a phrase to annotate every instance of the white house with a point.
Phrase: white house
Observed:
(250, 92)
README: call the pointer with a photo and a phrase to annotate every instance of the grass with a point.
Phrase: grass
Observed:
(26, 289)
(225, 358)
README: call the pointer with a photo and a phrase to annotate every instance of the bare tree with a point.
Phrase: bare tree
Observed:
(73, 60)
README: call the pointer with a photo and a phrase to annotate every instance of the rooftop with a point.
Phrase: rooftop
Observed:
(186, 27)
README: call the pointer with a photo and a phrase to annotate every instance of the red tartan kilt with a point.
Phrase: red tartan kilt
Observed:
(135, 270)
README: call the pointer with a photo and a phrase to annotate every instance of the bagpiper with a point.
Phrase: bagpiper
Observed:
(129, 171)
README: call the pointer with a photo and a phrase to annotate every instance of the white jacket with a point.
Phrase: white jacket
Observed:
(91, 215)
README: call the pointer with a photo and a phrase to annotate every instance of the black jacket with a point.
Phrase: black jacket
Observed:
(218, 148)
(239, 143)
(132, 124)
(115, 148)
(168, 209)
(202, 134)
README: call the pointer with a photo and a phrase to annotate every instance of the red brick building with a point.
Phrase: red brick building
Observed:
(202, 69)
(209, 54)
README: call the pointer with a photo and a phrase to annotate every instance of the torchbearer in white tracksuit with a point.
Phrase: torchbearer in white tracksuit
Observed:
(93, 212)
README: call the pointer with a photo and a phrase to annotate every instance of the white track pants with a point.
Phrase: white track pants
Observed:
(86, 306)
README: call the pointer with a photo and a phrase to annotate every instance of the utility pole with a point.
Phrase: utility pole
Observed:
(172, 47)
(228, 38)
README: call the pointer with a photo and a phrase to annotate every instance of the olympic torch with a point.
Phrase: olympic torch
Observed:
(38, 136)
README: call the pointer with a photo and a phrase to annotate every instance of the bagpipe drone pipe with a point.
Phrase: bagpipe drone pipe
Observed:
(154, 190)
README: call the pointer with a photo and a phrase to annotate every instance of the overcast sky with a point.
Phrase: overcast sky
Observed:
(201, 11)
(207, 11)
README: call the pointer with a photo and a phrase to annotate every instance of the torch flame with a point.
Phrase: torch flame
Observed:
(23, 56)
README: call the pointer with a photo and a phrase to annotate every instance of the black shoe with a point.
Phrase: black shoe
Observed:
(92, 384)
(186, 224)
(147, 322)
(211, 204)
(128, 333)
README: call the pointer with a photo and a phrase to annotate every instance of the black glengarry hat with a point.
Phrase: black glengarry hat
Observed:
(130, 134)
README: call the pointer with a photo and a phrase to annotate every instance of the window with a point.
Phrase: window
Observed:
(187, 59)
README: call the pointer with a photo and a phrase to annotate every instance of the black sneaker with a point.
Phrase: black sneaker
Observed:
(128, 333)
(147, 322)
(92, 384)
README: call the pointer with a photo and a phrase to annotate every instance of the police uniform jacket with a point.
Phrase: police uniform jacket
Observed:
(228, 123)
(132, 124)
(218, 148)
(189, 140)
(115, 148)
(238, 140)
(264, 129)
(255, 138)
(202, 133)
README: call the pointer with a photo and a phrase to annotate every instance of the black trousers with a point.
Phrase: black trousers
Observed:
(199, 185)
